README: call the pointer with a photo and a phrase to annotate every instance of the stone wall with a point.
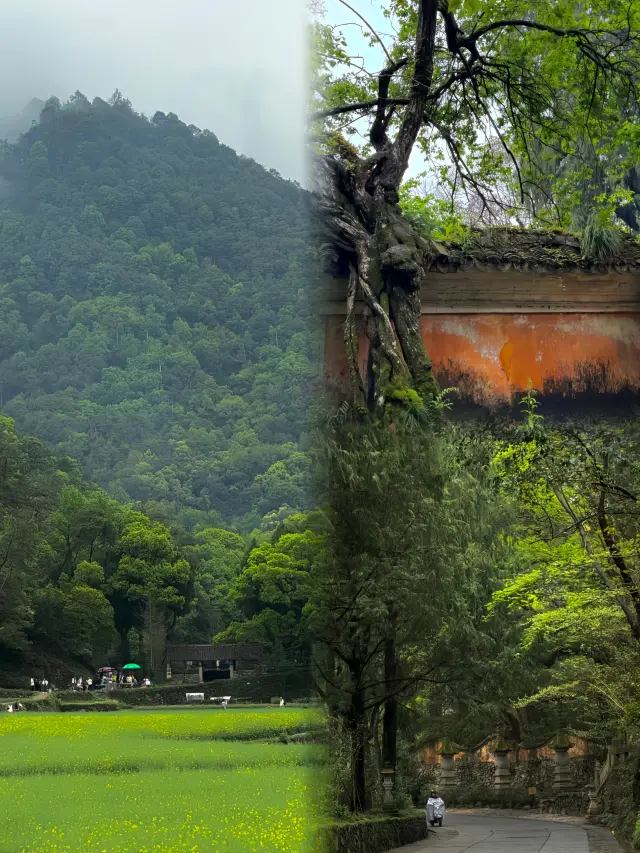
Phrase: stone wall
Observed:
(472, 772)
(566, 803)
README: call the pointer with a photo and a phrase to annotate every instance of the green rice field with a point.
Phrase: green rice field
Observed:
(159, 781)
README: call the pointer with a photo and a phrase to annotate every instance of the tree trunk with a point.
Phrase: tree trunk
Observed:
(155, 639)
(369, 235)
(357, 722)
(390, 719)
(386, 262)
(125, 649)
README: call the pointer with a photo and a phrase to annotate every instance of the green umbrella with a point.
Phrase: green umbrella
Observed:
(131, 666)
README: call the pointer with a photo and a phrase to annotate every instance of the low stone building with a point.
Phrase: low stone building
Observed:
(197, 664)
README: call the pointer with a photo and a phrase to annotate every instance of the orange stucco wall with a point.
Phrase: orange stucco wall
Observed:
(579, 749)
(489, 357)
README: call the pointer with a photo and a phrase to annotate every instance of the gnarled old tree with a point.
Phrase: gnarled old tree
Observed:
(459, 75)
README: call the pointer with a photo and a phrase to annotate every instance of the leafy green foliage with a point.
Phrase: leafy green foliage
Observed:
(531, 119)
(576, 594)
(88, 578)
(76, 567)
(428, 215)
(415, 549)
(273, 593)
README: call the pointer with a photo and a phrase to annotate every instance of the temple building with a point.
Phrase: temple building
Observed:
(203, 663)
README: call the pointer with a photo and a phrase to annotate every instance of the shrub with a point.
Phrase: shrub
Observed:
(10, 693)
(376, 834)
(621, 799)
(51, 703)
(104, 705)
(511, 798)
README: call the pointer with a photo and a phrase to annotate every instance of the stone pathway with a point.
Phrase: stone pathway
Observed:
(489, 831)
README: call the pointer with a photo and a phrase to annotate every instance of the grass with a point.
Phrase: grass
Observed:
(600, 240)
(158, 781)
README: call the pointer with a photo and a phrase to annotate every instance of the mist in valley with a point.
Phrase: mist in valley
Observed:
(237, 69)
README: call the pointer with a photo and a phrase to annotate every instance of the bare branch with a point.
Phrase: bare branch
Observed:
(350, 108)
(370, 28)
(378, 132)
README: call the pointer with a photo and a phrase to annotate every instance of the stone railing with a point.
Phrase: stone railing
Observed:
(502, 775)
(616, 753)
(568, 784)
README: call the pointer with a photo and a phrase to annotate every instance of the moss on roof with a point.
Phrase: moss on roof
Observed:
(528, 250)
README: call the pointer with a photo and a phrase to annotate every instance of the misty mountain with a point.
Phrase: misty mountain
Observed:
(12, 126)
(153, 311)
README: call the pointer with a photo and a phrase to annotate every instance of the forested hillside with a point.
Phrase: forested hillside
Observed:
(85, 579)
(77, 569)
(153, 311)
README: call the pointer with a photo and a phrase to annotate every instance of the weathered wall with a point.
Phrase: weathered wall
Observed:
(489, 333)
(474, 773)
(430, 754)
(492, 357)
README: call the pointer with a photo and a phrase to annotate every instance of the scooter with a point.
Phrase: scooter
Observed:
(435, 812)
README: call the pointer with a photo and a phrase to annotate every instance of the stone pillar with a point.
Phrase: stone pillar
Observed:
(231, 669)
(502, 777)
(447, 772)
(447, 766)
(200, 673)
(388, 783)
(594, 806)
(562, 774)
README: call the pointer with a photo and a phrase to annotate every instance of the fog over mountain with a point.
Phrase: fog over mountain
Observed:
(237, 68)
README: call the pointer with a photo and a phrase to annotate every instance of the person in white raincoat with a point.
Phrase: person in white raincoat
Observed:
(435, 809)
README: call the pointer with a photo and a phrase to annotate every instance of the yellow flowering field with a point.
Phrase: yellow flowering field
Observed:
(179, 781)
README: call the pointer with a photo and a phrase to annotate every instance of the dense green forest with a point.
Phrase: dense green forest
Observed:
(76, 567)
(85, 579)
(153, 312)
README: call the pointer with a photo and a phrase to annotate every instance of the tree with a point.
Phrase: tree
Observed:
(152, 584)
(273, 594)
(76, 566)
(453, 72)
(29, 481)
(76, 619)
(577, 594)
(413, 550)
